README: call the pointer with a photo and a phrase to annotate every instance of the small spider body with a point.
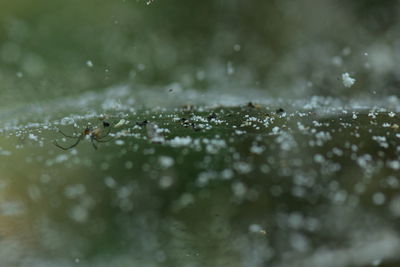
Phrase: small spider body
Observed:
(94, 134)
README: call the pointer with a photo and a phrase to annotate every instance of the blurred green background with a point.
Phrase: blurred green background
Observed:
(286, 48)
(291, 179)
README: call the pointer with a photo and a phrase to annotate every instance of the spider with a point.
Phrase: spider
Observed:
(94, 134)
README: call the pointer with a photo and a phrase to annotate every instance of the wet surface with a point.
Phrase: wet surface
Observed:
(252, 184)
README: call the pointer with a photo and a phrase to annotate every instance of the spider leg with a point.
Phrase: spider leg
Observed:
(106, 134)
(94, 145)
(69, 147)
(69, 136)
(100, 140)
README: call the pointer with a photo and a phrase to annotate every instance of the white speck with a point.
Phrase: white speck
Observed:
(67, 121)
(124, 192)
(239, 132)
(186, 199)
(227, 174)
(119, 142)
(4, 152)
(89, 63)
(200, 75)
(239, 189)
(299, 242)
(128, 165)
(243, 167)
(34, 192)
(295, 220)
(395, 206)
(61, 158)
(256, 228)
(257, 149)
(11, 208)
(74, 191)
(381, 141)
(346, 51)
(338, 61)
(180, 141)
(318, 158)
(237, 47)
(214, 145)
(79, 213)
(378, 198)
(166, 161)
(229, 68)
(347, 80)
(377, 262)
(165, 182)
(110, 182)
(33, 137)
(120, 123)
(154, 133)
(394, 164)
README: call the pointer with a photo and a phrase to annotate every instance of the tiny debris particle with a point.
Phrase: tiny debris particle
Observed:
(347, 80)
(250, 105)
(154, 133)
(184, 120)
(89, 63)
(211, 116)
(196, 127)
(142, 123)
(256, 228)
(187, 107)
(120, 123)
